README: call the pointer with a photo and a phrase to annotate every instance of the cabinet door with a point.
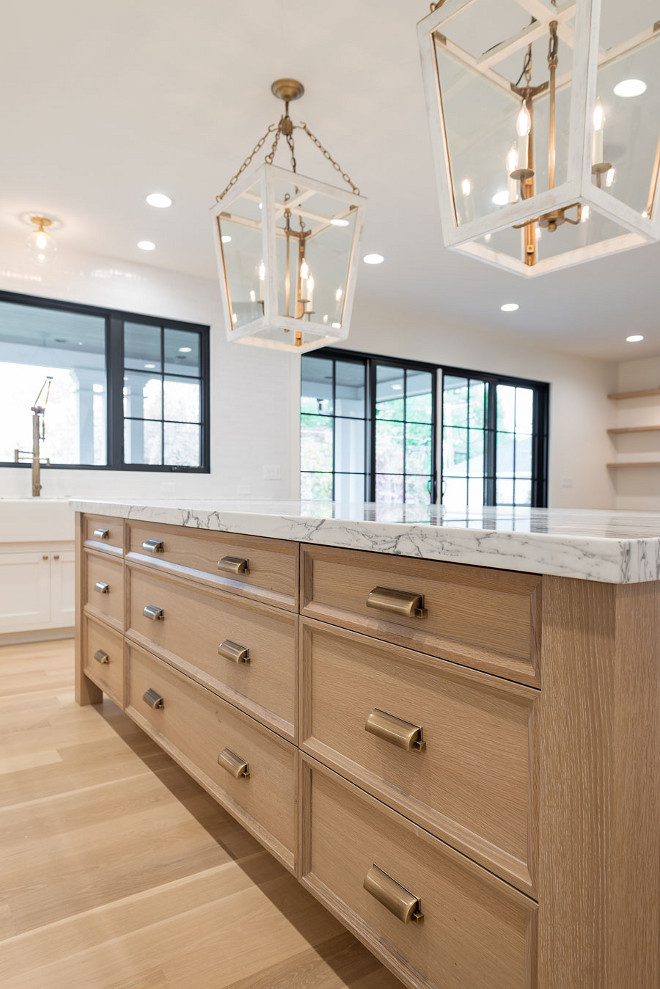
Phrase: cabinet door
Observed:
(62, 589)
(24, 591)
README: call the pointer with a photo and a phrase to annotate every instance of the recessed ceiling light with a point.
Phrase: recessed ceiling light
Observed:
(630, 87)
(501, 198)
(338, 222)
(149, 367)
(146, 245)
(226, 239)
(635, 338)
(185, 350)
(373, 258)
(509, 307)
(159, 200)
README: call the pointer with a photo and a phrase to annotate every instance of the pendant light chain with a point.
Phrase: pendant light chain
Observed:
(326, 154)
(248, 161)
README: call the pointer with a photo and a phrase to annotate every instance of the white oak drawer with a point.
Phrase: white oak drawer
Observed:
(467, 775)
(249, 566)
(103, 581)
(488, 619)
(196, 728)
(104, 533)
(103, 658)
(476, 933)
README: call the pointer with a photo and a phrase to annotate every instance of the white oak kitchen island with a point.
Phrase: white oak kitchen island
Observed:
(448, 728)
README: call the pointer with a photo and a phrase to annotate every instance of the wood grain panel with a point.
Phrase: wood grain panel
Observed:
(114, 541)
(473, 785)
(109, 676)
(197, 620)
(272, 575)
(86, 692)
(109, 606)
(477, 930)
(488, 619)
(194, 726)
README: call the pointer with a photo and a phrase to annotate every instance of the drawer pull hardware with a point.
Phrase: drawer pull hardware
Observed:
(101, 533)
(234, 652)
(153, 699)
(234, 564)
(153, 612)
(398, 900)
(102, 587)
(234, 765)
(153, 545)
(397, 602)
(101, 657)
(395, 730)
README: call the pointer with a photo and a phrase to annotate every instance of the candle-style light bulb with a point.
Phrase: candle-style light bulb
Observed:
(304, 270)
(523, 129)
(262, 272)
(466, 187)
(599, 125)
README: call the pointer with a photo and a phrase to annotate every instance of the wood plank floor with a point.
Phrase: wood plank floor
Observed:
(118, 872)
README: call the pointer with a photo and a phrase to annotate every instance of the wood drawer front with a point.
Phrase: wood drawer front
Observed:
(103, 658)
(107, 604)
(489, 619)
(104, 533)
(272, 564)
(195, 621)
(477, 932)
(474, 782)
(195, 726)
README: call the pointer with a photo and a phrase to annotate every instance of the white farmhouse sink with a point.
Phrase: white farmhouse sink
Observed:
(27, 520)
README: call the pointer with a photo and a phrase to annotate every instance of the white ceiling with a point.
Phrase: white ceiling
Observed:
(105, 103)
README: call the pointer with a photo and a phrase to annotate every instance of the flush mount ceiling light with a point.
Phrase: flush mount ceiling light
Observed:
(146, 245)
(159, 200)
(294, 246)
(523, 101)
(41, 244)
(635, 338)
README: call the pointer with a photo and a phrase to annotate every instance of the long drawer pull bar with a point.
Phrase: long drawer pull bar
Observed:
(153, 545)
(153, 612)
(396, 898)
(101, 657)
(233, 651)
(397, 602)
(395, 730)
(101, 587)
(234, 564)
(153, 699)
(101, 533)
(235, 766)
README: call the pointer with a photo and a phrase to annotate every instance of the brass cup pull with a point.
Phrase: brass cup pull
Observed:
(101, 533)
(395, 730)
(234, 652)
(101, 657)
(234, 765)
(101, 587)
(153, 699)
(153, 545)
(153, 612)
(234, 564)
(397, 899)
(397, 602)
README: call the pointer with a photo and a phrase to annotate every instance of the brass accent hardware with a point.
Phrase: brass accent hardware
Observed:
(38, 412)
(153, 612)
(234, 765)
(45, 556)
(395, 730)
(397, 602)
(153, 699)
(396, 898)
(234, 564)
(102, 587)
(153, 545)
(56, 556)
(234, 652)
(101, 533)
(287, 89)
(101, 657)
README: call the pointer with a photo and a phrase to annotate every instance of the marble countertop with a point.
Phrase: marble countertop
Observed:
(614, 547)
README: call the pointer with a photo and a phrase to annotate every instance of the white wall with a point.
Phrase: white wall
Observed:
(637, 487)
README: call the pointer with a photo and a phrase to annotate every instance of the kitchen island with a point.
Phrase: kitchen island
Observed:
(447, 727)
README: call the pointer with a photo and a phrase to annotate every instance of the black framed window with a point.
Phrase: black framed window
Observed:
(403, 432)
(128, 392)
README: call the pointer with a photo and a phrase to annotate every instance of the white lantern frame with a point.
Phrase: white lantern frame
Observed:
(298, 334)
(578, 186)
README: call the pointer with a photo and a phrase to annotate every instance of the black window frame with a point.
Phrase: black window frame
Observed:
(114, 369)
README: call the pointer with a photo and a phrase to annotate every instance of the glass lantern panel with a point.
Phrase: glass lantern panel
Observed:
(481, 111)
(627, 103)
(241, 241)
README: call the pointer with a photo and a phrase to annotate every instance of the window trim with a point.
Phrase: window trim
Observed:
(114, 369)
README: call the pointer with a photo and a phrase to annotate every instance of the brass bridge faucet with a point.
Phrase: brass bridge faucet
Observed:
(38, 434)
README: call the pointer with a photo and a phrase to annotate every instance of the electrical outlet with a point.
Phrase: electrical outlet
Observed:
(272, 472)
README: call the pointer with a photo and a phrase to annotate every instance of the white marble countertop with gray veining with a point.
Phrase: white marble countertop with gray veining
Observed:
(614, 547)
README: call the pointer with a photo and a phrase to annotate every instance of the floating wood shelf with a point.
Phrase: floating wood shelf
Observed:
(635, 394)
(635, 463)
(635, 429)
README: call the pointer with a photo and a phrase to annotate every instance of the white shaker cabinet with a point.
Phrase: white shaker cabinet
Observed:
(36, 589)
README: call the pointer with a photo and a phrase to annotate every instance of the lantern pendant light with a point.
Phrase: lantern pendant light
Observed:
(287, 246)
(545, 126)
